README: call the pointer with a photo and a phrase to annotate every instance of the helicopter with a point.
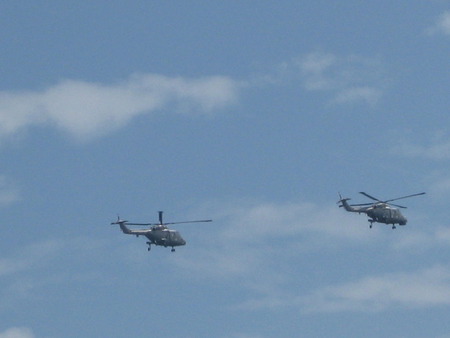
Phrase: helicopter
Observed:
(380, 211)
(158, 233)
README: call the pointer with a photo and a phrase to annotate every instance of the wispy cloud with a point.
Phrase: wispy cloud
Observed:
(42, 254)
(29, 258)
(416, 289)
(17, 332)
(262, 239)
(243, 335)
(423, 239)
(317, 68)
(369, 95)
(256, 239)
(348, 79)
(423, 288)
(438, 182)
(38, 266)
(9, 193)
(436, 150)
(272, 240)
(442, 25)
(345, 79)
(87, 109)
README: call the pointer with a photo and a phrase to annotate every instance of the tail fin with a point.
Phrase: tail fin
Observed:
(122, 225)
(344, 204)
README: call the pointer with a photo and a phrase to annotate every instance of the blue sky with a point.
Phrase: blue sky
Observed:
(254, 114)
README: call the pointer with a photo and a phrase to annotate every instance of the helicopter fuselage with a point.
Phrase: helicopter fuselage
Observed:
(386, 214)
(378, 212)
(161, 235)
(157, 235)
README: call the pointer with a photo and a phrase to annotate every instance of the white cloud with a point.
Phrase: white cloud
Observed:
(243, 335)
(417, 289)
(444, 22)
(436, 147)
(316, 67)
(29, 258)
(261, 246)
(9, 193)
(258, 239)
(442, 25)
(89, 109)
(369, 95)
(33, 267)
(17, 332)
(348, 79)
(440, 185)
(43, 254)
(437, 150)
(270, 220)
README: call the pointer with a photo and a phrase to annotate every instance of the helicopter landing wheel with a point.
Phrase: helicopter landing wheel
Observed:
(394, 227)
(173, 250)
(370, 226)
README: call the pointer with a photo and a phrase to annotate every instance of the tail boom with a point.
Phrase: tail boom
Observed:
(344, 204)
(128, 231)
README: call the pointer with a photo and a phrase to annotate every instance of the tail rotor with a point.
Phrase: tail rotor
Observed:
(342, 200)
(119, 221)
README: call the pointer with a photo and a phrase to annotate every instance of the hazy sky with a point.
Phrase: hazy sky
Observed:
(253, 113)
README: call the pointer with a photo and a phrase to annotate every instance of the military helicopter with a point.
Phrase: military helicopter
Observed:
(158, 233)
(381, 211)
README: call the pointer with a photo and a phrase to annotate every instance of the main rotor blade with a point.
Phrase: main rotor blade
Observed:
(393, 199)
(398, 206)
(366, 204)
(146, 224)
(371, 197)
(169, 223)
(399, 198)
(200, 221)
